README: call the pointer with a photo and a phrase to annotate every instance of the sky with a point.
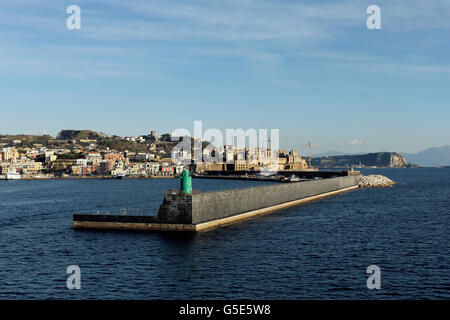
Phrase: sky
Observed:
(311, 69)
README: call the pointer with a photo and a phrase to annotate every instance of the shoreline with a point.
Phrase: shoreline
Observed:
(90, 178)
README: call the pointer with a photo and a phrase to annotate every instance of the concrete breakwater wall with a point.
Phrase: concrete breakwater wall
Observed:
(205, 207)
(201, 211)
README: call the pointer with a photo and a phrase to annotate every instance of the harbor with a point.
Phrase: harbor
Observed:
(325, 234)
(194, 211)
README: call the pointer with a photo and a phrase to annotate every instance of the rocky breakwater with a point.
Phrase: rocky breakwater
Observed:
(375, 181)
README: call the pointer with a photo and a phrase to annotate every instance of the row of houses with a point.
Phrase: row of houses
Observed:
(252, 159)
(26, 167)
(121, 168)
(53, 162)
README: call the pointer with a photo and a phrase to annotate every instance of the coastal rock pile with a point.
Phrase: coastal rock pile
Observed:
(375, 181)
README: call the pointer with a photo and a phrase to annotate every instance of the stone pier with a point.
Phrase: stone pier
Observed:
(202, 211)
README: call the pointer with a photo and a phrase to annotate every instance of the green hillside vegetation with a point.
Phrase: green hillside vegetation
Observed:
(79, 135)
(26, 141)
(378, 159)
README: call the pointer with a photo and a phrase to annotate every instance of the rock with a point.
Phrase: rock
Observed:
(375, 181)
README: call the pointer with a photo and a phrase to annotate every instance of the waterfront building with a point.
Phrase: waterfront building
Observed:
(240, 165)
(105, 167)
(152, 168)
(4, 166)
(167, 170)
(26, 167)
(136, 169)
(9, 153)
(294, 161)
(178, 169)
(77, 170)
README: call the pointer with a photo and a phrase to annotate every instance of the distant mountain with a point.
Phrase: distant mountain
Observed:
(431, 157)
(378, 159)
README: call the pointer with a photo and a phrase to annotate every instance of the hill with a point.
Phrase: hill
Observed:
(333, 153)
(24, 140)
(431, 157)
(79, 134)
(89, 140)
(378, 159)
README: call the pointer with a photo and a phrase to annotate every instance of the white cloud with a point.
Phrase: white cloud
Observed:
(356, 142)
(262, 31)
(228, 20)
(256, 20)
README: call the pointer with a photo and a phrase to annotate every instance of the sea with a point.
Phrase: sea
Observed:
(318, 250)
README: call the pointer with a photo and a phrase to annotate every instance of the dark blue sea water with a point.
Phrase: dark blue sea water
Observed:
(318, 250)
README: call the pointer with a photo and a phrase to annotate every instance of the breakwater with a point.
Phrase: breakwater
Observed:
(375, 181)
(202, 211)
(304, 174)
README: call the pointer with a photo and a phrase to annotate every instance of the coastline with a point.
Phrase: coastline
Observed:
(93, 177)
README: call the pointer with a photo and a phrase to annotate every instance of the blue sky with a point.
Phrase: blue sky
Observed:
(309, 68)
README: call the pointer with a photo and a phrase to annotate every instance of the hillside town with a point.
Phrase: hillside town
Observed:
(89, 154)
(85, 157)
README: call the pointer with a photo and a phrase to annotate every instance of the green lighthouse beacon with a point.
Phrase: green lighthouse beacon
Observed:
(186, 182)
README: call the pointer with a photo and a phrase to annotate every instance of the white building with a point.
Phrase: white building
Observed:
(152, 168)
(179, 169)
(82, 162)
(94, 157)
(50, 156)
